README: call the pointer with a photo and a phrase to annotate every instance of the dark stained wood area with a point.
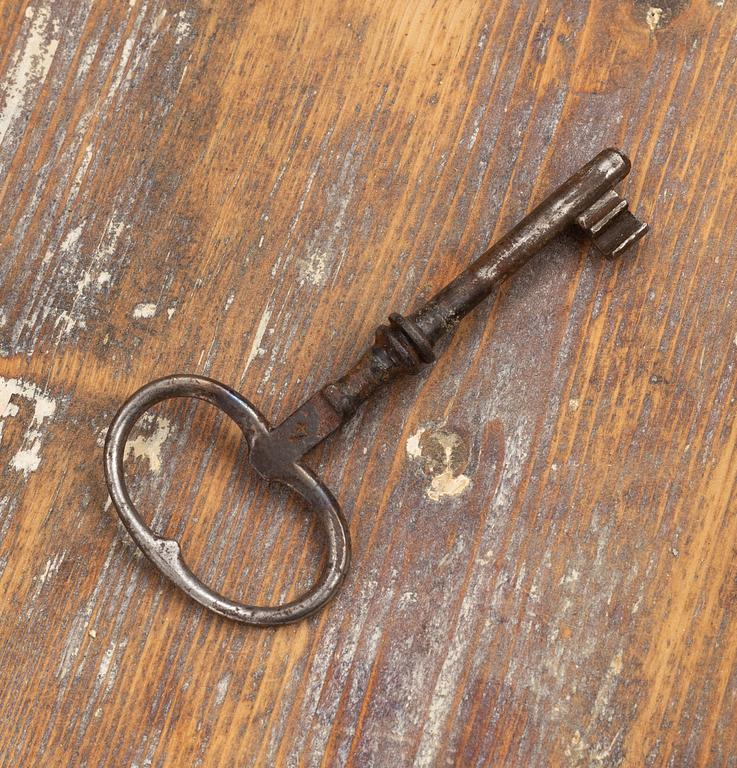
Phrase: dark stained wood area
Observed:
(544, 524)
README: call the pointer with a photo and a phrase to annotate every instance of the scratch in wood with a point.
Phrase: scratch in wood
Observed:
(257, 338)
(335, 667)
(49, 571)
(579, 749)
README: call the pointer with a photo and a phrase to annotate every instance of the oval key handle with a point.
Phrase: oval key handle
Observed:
(165, 554)
(586, 201)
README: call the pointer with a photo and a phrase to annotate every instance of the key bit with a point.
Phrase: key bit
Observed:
(610, 225)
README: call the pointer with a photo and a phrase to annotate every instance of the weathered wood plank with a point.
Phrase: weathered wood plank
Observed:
(544, 540)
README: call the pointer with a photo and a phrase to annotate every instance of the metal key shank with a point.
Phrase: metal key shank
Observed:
(407, 343)
(586, 200)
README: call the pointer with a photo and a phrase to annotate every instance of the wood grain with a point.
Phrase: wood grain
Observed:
(245, 190)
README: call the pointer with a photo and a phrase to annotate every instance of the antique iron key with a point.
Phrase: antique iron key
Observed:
(586, 200)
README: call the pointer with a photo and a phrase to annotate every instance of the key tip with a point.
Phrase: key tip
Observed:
(618, 157)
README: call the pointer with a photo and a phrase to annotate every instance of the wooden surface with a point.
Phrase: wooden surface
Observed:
(544, 528)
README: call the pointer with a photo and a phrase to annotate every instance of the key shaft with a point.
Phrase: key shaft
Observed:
(548, 219)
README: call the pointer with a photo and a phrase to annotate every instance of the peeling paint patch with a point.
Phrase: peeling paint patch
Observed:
(144, 311)
(447, 484)
(28, 457)
(29, 68)
(149, 446)
(443, 455)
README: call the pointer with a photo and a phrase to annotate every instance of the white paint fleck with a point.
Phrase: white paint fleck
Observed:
(28, 68)
(413, 444)
(105, 661)
(406, 599)
(313, 268)
(71, 239)
(28, 457)
(652, 17)
(103, 278)
(92, 633)
(258, 336)
(149, 446)
(67, 322)
(144, 310)
(638, 603)
(158, 21)
(574, 404)
(170, 312)
(183, 28)
(221, 689)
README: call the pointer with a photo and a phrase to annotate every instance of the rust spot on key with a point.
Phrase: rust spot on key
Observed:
(405, 345)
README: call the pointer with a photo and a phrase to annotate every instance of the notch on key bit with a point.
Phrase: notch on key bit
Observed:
(610, 225)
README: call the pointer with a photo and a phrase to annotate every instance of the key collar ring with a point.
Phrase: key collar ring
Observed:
(166, 554)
